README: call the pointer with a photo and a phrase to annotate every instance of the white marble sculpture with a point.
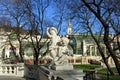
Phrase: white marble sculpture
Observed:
(62, 54)
(54, 39)
(58, 47)
(59, 68)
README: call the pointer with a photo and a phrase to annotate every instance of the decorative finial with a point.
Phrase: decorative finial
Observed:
(69, 24)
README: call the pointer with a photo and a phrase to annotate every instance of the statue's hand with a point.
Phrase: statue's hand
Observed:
(47, 32)
(48, 28)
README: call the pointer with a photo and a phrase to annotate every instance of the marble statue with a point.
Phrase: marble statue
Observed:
(61, 57)
(54, 39)
(59, 68)
(58, 47)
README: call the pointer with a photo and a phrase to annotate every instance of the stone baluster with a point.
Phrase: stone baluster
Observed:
(74, 60)
(0, 70)
(5, 69)
(15, 70)
(10, 70)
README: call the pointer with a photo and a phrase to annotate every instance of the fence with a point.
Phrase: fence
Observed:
(12, 70)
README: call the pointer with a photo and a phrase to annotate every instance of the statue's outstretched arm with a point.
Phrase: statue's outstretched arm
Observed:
(47, 32)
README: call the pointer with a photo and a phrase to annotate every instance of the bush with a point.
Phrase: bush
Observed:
(95, 62)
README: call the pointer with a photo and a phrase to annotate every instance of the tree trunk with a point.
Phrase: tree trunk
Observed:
(110, 50)
(20, 52)
(113, 55)
(104, 58)
(35, 58)
(101, 53)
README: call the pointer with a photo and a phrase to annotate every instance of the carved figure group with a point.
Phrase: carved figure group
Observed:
(58, 46)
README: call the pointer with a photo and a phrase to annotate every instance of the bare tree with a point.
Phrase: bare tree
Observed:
(37, 25)
(88, 25)
(16, 12)
(104, 11)
(100, 12)
(30, 15)
(60, 14)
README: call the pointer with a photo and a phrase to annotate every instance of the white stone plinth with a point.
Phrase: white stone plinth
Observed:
(62, 67)
(50, 74)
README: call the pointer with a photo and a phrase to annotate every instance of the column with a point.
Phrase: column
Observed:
(90, 50)
(84, 48)
(95, 51)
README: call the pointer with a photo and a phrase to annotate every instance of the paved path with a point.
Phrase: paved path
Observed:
(13, 78)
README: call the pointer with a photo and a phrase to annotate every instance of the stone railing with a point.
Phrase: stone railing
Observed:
(77, 59)
(12, 70)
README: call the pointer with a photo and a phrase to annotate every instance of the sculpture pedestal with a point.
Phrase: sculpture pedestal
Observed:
(62, 67)
(50, 74)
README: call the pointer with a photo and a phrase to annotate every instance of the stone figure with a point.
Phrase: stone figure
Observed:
(54, 39)
(58, 47)
(61, 57)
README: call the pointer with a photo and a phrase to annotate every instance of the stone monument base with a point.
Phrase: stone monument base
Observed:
(62, 67)
(50, 74)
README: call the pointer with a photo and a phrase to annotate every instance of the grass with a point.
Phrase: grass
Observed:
(86, 67)
(105, 71)
(116, 77)
(102, 72)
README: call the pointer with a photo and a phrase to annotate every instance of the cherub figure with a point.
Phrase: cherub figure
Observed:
(61, 57)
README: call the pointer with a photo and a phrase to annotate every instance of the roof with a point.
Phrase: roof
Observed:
(16, 29)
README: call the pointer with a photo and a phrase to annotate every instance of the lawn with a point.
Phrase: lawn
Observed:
(104, 72)
(101, 73)
(86, 67)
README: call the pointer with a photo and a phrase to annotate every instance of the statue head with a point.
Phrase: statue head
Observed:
(64, 41)
(53, 30)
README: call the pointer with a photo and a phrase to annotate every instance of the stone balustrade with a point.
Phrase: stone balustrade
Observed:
(12, 70)
(76, 59)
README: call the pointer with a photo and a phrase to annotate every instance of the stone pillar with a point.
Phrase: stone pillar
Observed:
(95, 50)
(74, 60)
(90, 50)
(84, 48)
(20, 69)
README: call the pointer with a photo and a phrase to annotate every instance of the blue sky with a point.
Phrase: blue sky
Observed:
(51, 13)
